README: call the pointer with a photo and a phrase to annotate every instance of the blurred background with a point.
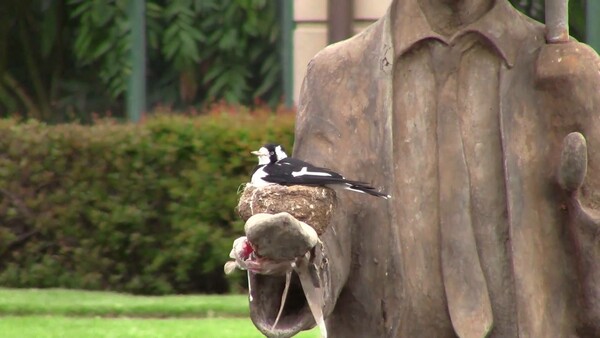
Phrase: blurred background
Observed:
(61, 60)
(125, 132)
(73, 60)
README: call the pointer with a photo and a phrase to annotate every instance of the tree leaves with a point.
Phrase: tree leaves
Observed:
(181, 39)
(73, 57)
(242, 41)
(233, 41)
(102, 39)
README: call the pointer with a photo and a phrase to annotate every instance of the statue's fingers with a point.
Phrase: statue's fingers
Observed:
(573, 162)
(268, 267)
(229, 267)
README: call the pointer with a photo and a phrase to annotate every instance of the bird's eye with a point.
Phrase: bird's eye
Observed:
(271, 153)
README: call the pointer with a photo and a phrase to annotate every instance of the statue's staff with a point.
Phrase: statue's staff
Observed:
(557, 21)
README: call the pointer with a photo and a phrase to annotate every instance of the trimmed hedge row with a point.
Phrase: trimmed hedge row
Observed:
(145, 208)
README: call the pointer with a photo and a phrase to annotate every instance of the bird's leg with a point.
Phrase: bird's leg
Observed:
(288, 278)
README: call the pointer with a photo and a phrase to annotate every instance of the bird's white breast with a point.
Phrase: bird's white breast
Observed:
(257, 178)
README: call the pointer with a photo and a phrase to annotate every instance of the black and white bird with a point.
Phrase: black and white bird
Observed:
(275, 167)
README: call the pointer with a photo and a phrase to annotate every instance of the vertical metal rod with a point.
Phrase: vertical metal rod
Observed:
(592, 24)
(136, 91)
(340, 15)
(287, 45)
(557, 21)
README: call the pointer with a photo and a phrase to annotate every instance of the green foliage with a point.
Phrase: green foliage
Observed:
(140, 208)
(241, 39)
(103, 39)
(60, 59)
(216, 49)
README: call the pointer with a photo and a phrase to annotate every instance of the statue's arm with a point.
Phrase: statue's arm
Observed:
(584, 207)
(314, 140)
(570, 72)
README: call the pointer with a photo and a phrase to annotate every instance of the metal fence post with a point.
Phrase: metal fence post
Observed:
(287, 45)
(136, 91)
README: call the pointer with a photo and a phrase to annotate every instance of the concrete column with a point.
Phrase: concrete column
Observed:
(311, 34)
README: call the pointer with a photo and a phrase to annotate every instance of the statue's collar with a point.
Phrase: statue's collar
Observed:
(411, 26)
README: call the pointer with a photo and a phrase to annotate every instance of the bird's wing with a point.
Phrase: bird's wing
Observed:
(291, 171)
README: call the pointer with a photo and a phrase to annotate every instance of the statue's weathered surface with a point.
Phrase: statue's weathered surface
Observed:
(459, 110)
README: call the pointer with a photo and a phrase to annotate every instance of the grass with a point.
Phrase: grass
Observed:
(50, 313)
(94, 303)
(69, 327)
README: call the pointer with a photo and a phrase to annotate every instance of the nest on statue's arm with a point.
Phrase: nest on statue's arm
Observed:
(311, 205)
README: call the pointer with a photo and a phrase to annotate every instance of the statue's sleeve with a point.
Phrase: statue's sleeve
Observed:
(570, 76)
(585, 105)
(315, 138)
(585, 204)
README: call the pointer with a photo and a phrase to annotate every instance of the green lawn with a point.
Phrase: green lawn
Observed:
(81, 327)
(50, 313)
(93, 303)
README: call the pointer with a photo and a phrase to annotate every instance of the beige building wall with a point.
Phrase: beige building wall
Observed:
(310, 34)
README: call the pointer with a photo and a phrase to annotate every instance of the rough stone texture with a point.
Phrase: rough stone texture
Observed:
(311, 205)
(367, 110)
(279, 236)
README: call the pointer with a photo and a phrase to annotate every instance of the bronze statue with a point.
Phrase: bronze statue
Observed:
(482, 132)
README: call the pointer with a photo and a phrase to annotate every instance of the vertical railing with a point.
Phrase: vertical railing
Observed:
(287, 46)
(339, 20)
(136, 91)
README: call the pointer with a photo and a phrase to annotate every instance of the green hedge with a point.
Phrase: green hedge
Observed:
(143, 208)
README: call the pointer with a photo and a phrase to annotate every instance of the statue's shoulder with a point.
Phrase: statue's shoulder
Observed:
(337, 64)
(573, 62)
(568, 61)
(349, 54)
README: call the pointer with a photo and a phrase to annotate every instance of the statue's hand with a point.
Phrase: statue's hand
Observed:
(271, 244)
(275, 238)
(277, 245)
(573, 162)
(571, 174)
(584, 226)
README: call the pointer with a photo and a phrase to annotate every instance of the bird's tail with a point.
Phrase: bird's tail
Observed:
(365, 189)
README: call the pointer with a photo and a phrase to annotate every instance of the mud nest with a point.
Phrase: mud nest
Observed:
(311, 205)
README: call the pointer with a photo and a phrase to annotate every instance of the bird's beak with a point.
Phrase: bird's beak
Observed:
(256, 152)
